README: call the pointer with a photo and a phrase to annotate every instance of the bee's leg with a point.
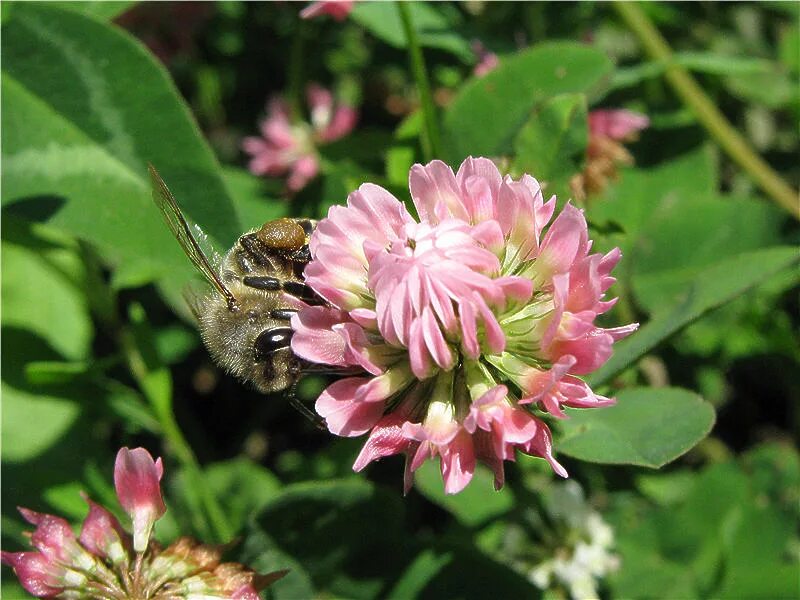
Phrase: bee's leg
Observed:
(256, 250)
(318, 421)
(302, 291)
(262, 283)
(282, 314)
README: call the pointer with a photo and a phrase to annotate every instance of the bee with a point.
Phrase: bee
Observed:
(257, 287)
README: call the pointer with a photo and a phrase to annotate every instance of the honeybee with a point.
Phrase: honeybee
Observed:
(258, 286)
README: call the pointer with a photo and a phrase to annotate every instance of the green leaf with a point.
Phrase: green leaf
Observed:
(648, 427)
(712, 63)
(487, 113)
(312, 522)
(757, 546)
(262, 554)
(661, 270)
(692, 175)
(475, 504)
(419, 573)
(32, 422)
(243, 487)
(41, 292)
(434, 29)
(552, 143)
(667, 489)
(712, 288)
(776, 88)
(101, 9)
(789, 48)
(252, 206)
(78, 134)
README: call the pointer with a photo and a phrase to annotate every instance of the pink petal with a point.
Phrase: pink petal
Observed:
(53, 536)
(337, 9)
(616, 124)
(482, 168)
(458, 463)
(495, 338)
(564, 240)
(434, 340)
(314, 338)
(542, 446)
(356, 347)
(36, 574)
(302, 171)
(385, 439)
(103, 535)
(343, 414)
(435, 192)
(343, 122)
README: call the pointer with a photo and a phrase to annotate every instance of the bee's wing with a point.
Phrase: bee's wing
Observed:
(183, 233)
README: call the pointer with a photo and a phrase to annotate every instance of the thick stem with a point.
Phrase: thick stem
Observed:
(431, 147)
(706, 111)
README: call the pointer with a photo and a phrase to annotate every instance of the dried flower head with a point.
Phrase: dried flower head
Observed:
(608, 129)
(468, 323)
(104, 561)
(290, 147)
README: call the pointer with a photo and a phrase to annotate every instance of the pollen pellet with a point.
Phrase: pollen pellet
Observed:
(282, 234)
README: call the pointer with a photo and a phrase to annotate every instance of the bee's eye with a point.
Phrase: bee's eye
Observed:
(282, 234)
(271, 340)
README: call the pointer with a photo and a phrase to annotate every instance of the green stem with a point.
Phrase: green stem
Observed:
(431, 147)
(162, 407)
(706, 111)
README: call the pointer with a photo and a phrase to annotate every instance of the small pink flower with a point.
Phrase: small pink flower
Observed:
(287, 148)
(464, 324)
(136, 479)
(338, 9)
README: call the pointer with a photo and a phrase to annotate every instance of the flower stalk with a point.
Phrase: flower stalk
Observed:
(159, 396)
(706, 111)
(431, 146)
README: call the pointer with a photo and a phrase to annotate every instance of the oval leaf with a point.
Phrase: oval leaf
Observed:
(85, 108)
(648, 427)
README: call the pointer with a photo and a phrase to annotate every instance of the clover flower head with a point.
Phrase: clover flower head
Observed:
(104, 561)
(288, 147)
(468, 324)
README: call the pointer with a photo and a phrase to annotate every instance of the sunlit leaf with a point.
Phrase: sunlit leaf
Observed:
(648, 427)
(487, 113)
(77, 137)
